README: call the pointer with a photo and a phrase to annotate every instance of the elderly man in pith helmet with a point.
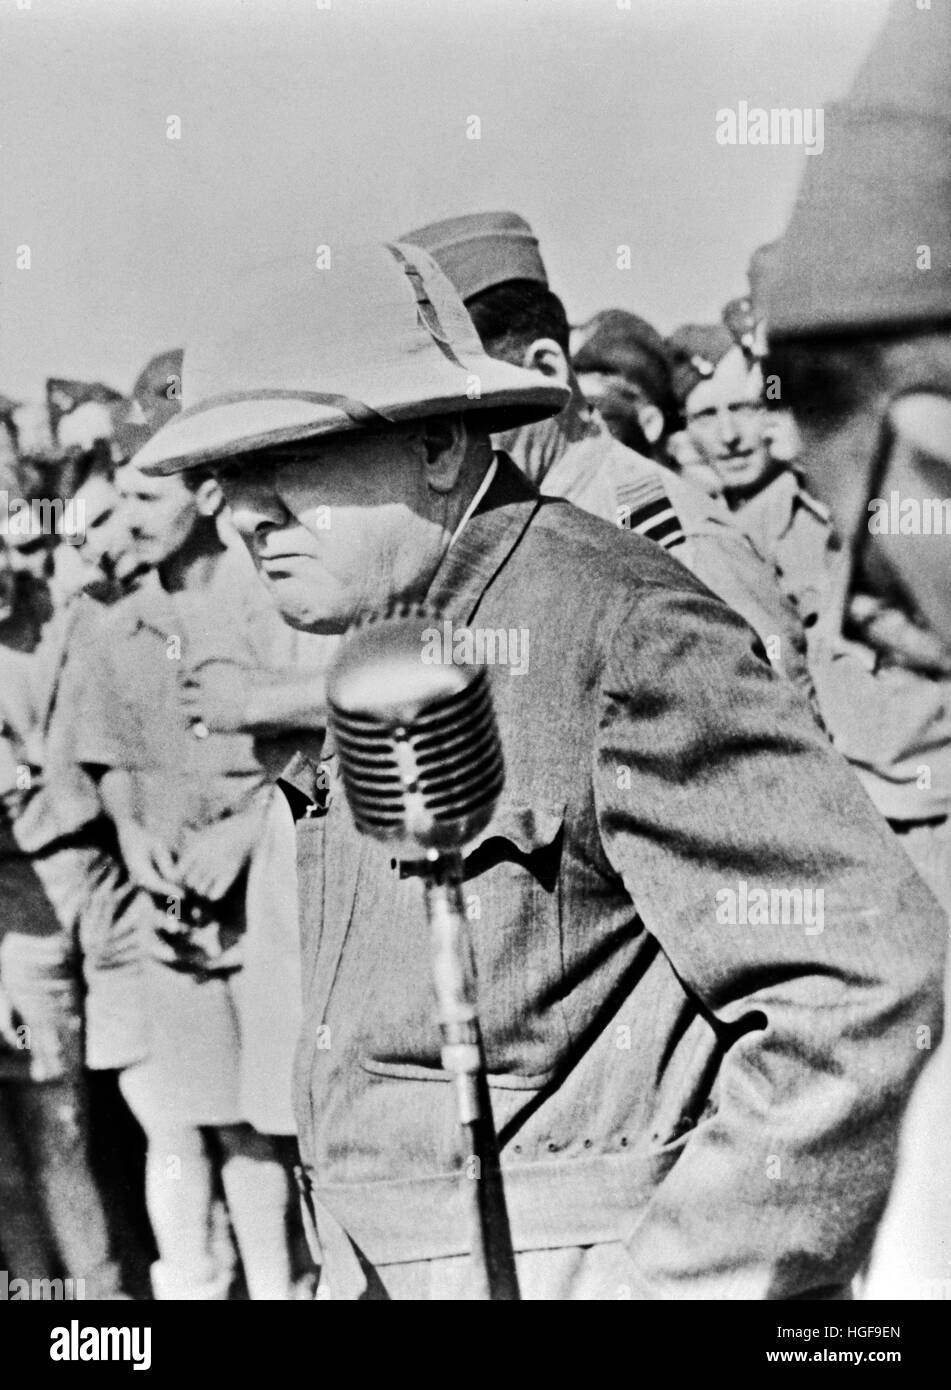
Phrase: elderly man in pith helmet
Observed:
(701, 957)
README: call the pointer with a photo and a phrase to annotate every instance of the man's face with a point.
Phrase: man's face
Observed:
(725, 422)
(338, 528)
(29, 556)
(892, 454)
(106, 544)
(622, 406)
(159, 514)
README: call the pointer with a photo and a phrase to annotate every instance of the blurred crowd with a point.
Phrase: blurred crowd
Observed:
(151, 700)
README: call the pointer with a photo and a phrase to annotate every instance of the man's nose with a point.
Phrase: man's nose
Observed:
(126, 516)
(254, 503)
(726, 422)
(115, 538)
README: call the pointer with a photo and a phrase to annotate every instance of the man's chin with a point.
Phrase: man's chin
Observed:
(299, 609)
(126, 570)
(742, 478)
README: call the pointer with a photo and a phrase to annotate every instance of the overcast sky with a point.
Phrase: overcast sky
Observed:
(314, 121)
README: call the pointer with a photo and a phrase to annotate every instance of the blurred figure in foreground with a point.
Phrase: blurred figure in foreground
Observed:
(859, 312)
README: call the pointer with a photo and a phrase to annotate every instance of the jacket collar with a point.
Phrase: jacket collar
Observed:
(138, 608)
(484, 544)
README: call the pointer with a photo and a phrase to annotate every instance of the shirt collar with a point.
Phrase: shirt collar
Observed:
(492, 533)
(805, 499)
(480, 492)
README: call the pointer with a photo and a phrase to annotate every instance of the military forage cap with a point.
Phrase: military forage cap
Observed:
(482, 249)
(155, 399)
(81, 411)
(875, 207)
(695, 349)
(290, 352)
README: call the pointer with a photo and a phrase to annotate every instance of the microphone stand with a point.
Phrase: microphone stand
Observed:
(463, 1057)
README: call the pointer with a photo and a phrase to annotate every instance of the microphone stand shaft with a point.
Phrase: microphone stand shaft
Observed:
(463, 1057)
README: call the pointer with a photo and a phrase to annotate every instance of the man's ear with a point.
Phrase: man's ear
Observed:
(651, 420)
(445, 442)
(209, 499)
(548, 357)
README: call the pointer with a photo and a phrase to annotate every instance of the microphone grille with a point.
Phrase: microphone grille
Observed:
(419, 747)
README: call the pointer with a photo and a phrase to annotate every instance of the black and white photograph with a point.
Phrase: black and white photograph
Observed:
(475, 663)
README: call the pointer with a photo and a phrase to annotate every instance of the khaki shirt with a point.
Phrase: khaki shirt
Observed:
(892, 723)
(128, 711)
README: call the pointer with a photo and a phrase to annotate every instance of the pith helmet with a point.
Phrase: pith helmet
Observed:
(294, 351)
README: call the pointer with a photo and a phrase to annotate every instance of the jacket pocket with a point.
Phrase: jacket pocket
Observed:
(513, 898)
(527, 835)
(510, 898)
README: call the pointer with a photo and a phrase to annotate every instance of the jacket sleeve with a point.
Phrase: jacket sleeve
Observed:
(796, 922)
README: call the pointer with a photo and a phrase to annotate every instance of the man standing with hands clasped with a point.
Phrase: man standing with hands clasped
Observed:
(189, 806)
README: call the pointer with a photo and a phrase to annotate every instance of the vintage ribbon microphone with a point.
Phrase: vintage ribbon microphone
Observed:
(422, 768)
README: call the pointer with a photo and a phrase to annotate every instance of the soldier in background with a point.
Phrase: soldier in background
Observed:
(494, 262)
(187, 806)
(719, 389)
(622, 367)
(49, 1186)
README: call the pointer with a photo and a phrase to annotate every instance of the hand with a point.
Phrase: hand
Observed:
(215, 692)
(897, 639)
(149, 861)
(213, 857)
